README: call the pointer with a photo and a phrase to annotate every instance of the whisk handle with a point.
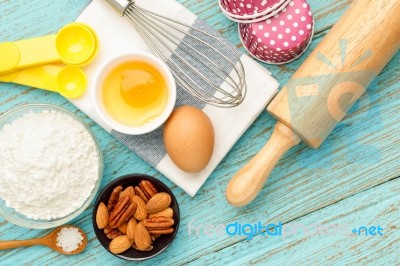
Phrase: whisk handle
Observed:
(119, 5)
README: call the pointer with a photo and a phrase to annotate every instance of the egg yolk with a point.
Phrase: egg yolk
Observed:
(140, 88)
(134, 93)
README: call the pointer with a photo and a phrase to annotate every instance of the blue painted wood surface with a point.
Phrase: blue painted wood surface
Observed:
(352, 179)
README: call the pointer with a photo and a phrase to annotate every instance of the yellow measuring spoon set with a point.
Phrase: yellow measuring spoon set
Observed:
(32, 62)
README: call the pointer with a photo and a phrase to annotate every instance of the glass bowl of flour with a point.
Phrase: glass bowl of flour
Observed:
(50, 166)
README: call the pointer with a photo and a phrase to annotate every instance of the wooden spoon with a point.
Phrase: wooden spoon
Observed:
(49, 240)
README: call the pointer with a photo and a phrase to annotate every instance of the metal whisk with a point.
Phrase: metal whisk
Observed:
(204, 65)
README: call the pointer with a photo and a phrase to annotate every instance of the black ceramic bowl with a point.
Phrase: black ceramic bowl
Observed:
(162, 242)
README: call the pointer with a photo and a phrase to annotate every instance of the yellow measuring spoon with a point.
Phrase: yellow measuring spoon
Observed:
(69, 81)
(75, 44)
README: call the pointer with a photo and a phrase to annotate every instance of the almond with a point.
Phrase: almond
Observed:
(142, 237)
(158, 203)
(147, 249)
(120, 244)
(130, 230)
(140, 213)
(168, 212)
(129, 191)
(102, 216)
(123, 228)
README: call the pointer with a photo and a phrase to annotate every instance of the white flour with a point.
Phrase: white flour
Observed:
(48, 165)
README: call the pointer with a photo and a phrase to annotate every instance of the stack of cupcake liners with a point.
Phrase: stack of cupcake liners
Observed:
(249, 11)
(280, 35)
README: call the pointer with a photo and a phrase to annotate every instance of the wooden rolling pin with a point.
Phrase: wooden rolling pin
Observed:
(324, 88)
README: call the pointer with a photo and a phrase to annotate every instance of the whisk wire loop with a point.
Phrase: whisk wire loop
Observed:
(199, 61)
(198, 56)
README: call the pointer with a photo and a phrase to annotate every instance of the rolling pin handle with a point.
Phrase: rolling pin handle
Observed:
(248, 182)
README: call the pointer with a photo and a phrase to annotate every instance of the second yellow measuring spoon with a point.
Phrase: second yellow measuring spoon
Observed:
(75, 44)
(69, 81)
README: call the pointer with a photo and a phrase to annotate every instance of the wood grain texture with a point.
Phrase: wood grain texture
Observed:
(247, 183)
(353, 177)
(339, 70)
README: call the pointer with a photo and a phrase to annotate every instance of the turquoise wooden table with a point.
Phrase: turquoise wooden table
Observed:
(352, 180)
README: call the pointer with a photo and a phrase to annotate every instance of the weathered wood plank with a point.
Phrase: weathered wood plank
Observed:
(378, 206)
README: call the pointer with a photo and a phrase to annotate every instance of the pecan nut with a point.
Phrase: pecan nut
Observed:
(128, 213)
(162, 231)
(119, 208)
(158, 222)
(114, 197)
(123, 211)
(148, 188)
(154, 237)
(139, 191)
(112, 233)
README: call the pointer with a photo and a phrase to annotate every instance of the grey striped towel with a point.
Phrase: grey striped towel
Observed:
(117, 35)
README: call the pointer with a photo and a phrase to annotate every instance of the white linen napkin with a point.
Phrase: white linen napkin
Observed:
(117, 35)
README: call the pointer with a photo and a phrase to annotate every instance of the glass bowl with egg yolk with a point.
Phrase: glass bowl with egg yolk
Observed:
(135, 93)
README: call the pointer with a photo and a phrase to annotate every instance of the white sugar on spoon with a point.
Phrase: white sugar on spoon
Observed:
(72, 239)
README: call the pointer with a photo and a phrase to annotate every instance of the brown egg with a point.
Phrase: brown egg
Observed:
(189, 138)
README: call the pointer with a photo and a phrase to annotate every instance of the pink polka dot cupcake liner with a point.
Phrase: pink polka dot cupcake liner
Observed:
(282, 38)
(262, 17)
(249, 9)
